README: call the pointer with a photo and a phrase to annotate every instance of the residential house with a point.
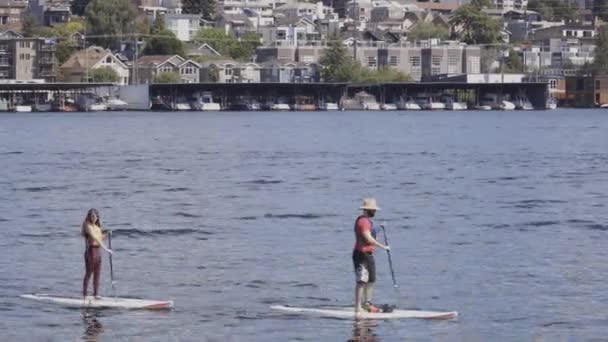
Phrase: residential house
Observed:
(291, 32)
(237, 24)
(79, 65)
(261, 8)
(184, 26)
(25, 59)
(509, 5)
(289, 73)
(581, 91)
(202, 50)
(229, 71)
(50, 12)
(12, 13)
(147, 68)
(154, 8)
(297, 10)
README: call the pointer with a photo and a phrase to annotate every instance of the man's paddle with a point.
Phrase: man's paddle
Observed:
(111, 266)
(390, 261)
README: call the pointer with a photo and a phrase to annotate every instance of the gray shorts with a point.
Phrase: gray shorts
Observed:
(365, 267)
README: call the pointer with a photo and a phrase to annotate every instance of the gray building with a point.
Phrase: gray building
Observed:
(27, 59)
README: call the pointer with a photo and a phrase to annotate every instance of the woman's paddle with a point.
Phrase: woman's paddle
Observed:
(111, 266)
(390, 261)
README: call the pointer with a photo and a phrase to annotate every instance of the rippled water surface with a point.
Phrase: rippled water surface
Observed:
(501, 216)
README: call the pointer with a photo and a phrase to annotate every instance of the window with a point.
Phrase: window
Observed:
(109, 60)
(436, 60)
(228, 72)
(393, 60)
(587, 34)
(371, 61)
(453, 60)
(281, 35)
(553, 84)
(415, 61)
(308, 59)
(568, 33)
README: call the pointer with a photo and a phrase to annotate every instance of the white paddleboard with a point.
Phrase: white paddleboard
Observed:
(102, 303)
(349, 313)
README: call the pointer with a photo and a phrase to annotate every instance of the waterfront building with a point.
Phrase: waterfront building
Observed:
(184, 26)
(148, 67)
(78, 66)
(12, 13)
(26, 59)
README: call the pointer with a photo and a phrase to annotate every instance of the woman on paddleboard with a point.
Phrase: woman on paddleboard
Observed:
(363, 257)
(93, 238)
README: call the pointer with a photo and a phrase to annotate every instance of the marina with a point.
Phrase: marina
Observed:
(95, 97)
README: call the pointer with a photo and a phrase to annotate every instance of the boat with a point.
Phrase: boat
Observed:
(22, 108)
(551, 103)
(388, 106)
(349, 313)
(244, 104)
(409, 104)
(158, 103)
(361, 101)
(280, 105)
(3, 105)
(101, 303)
(429, 102)
(182, 104)
(522, 103)
(329, 106)
(496, 102)
(482, 107)
(204, 102)
(89, 102)
(43, 107)
(305, 107)
(116, 104)
(452, 104)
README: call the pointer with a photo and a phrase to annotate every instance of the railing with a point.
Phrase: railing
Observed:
(48, 48)
(46, 61)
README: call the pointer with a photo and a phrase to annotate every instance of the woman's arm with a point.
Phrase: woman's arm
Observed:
(97, 239)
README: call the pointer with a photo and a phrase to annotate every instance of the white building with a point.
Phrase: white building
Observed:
(184, 26)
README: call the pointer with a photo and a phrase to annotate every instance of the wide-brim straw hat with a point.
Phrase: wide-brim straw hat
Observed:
(369, 204)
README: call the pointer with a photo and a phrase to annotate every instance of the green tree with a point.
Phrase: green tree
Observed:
(206, 8)
(426, 30)
(103, 75)
(514, 63)
(110, 18)
(477, 26)
(228, 44)
(167, 77)
(65, 49)
(30, 24)
(338, 66)
(78, 7)
(163, 41)
(600, 55)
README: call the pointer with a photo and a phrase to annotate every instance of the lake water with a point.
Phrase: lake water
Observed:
(499, 215)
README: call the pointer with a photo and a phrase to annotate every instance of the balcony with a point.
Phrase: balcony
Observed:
(48, 48)
(45, 61)
(5, 63)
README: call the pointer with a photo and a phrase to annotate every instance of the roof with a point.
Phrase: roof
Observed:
(279, 21)
(86, 58)
(438, 6)
(156, 59)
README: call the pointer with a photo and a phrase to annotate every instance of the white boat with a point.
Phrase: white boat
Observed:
(495, 102)
(551, 103)
(429, 102)
(409, 104)
(3, 105)
(97, 107)
(349, 313)
(22, 109)
(183, 106)
(43, 107)
(89, 102)
(522, 103)
(330, 106)
(482, 107)
(388, 106)
(205, 102)
(101, 303)
(280, 105)
(116, 104)
(367, 101)
(452, 104)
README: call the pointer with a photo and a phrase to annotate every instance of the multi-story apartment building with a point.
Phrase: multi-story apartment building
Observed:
(184, 26)
(12, 13)
(417, 61)
(508, 5)
(26, 59)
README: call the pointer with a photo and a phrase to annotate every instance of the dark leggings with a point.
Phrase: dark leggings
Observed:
(92, 263)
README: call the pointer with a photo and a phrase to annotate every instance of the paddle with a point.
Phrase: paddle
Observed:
(390, 260)
(111, 266)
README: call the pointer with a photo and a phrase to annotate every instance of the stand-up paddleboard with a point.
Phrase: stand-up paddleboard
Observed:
(102, 303)
(349, 313)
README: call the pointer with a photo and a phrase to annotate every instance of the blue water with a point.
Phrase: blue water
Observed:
(498, 215)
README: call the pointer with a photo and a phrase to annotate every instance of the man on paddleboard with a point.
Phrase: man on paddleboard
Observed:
(363, 256)
(93, 238)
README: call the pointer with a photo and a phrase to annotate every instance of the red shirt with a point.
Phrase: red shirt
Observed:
(362, 225)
